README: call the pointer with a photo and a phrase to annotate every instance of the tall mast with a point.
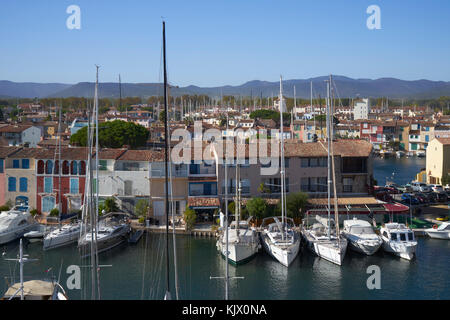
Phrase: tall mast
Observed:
(336, 212)
(226, 215)
(166, 158)
(328, 157)
(120, 94)
(282, 157)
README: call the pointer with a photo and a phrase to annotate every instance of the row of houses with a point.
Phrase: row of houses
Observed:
(35, 177)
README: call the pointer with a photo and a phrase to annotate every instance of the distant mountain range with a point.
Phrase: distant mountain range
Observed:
(346, 87)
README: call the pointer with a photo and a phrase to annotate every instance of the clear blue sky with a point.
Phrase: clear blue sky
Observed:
(216, 42)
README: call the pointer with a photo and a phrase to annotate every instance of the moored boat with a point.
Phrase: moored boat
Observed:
(439, 232)
(399, 240)
(361, 236)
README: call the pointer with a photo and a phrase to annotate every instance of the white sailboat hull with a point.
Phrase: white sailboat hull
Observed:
(284, 254)
(238, 253)
(61, 240)
(328, 249)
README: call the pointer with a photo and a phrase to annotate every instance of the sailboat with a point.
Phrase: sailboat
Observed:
(324, 238)
(239, 243)
(63, 234)
(113, 229)
(279, 237)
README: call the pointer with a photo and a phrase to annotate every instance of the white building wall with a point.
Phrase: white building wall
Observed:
(361, 110)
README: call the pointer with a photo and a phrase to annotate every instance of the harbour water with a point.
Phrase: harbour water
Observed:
(400, 170)
(138, 271)
(309, 277)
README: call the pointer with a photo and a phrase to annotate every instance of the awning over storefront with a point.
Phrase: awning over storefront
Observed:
(351, 205)
(203, 202)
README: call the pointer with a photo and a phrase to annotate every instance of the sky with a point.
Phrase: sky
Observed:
(215, 42)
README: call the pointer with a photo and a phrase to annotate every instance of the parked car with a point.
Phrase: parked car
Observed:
(409, 199)
(436, 187)
(420, 187)
(422, 197)
(383, 196)
(441, 196)
(448, 195)
(405, 188)
(442, 217)
(392, 190)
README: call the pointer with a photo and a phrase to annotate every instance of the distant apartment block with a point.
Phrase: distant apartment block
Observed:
(361, 110)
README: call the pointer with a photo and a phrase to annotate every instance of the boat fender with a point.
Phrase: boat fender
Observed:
(435, 226)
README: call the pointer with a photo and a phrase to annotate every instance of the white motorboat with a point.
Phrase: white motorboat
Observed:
(361, 237)
(38, 233)
(243, 243)
(399, 154)
(15, 223)
(439, 232)
(399, 240)
(325, 244)
(64, 235)
(280, 241)
(421, 154)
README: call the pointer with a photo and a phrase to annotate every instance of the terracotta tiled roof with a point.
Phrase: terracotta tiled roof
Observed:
(203, 202)
(7, 151)
(142, 155)
(14, 128)
(111, 153)
(444, 141)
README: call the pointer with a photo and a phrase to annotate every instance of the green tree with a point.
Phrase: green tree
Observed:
(189, 218)
(295, 202)
(257, 207)
(141, 209)
(110, 205)
(54, 212)
(162, 115)
(114, 134)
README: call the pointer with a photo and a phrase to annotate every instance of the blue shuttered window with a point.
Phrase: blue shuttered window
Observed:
(74, 185)
(16, 164)
(48, 203)
(12, 184)
(25, 163)
(23, 184)
(1, 165)
(48, 185)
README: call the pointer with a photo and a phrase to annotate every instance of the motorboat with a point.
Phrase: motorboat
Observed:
(243, 243)
(61, 236)
(421, 154)
(399, 154)
(361, 237)
(37, 234)
(399, 240)
(280, 240)
(439, 232)
(326, 244)
(110, 233)
(15, 223)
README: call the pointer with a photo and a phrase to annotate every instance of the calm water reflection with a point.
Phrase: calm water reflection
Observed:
(309, 277)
